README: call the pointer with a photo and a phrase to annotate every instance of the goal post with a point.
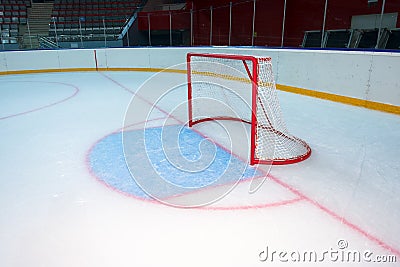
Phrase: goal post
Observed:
(242, 88)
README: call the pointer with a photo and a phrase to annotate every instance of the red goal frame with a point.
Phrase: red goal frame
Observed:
(253, 76)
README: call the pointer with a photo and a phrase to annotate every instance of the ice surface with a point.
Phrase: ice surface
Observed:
(54, 212)
(154, 162)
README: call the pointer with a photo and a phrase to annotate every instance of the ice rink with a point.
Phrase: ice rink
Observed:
(67, 198)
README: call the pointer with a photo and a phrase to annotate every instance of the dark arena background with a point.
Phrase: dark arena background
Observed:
(31, 24)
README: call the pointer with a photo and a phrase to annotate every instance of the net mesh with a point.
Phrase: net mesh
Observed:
(221, 88)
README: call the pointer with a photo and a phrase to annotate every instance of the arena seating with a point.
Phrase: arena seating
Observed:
(12, 14)
(90, 19)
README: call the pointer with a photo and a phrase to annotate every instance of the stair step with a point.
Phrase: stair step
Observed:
(39, 19)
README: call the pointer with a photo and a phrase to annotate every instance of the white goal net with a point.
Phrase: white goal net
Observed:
(242, 88)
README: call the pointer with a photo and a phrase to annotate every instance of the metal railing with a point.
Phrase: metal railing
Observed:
(45, 42)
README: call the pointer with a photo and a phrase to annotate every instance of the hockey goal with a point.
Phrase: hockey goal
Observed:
(242, 88)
